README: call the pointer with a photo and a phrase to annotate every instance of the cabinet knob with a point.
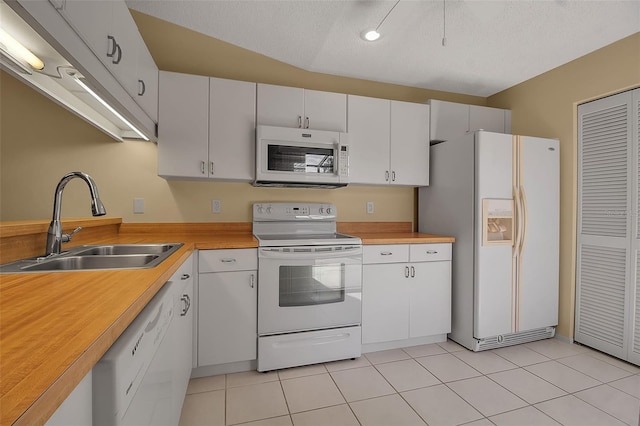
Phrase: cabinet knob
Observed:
(185, 277)
(227, 260)
(393, 176)
(141, 87)
(307, 123)
(386, 253)
(299, 122)
(252, 282)
(413, 272)
(432, 251)
(406, 272)
(202, 167)
(386, 176)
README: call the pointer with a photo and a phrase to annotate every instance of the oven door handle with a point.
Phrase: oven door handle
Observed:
(316, 255)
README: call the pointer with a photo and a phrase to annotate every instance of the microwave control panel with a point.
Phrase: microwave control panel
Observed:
(343, 161)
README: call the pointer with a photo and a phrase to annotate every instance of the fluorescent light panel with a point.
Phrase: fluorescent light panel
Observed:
(110, 108)
(18, 51)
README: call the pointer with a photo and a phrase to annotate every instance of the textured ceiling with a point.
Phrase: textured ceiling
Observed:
(490, 45)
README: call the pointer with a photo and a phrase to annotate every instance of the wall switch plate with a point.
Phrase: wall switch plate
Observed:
(370, 207)
(138, 205)
(216, 206)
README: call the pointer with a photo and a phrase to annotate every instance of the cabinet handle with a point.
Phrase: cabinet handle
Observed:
(112, 43)
(202, 167)
(299, 122)
(432, 251)
(141, 87)
(386, 253)
(252, 281)
(413, 272)
(386, 176)
(406, 272)
(119, 55)
(307, 123)
(393, 176)
(211, 168)
(185, 277)
(227, 260)
(187, 304)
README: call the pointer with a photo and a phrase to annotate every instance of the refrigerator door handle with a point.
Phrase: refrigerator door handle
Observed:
(518, 221)
(523, 222)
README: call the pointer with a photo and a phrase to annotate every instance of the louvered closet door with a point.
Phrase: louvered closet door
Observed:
(607, 200)
(634, 289)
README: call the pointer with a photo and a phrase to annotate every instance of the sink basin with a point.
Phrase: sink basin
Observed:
(108, 256)
(120, 249)
(76, 263)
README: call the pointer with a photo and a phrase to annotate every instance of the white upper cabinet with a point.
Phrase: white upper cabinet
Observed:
(294, 107)
(450, 120)
(206, 128)
(183, 129)
(409, 163)
(232, 122)
(109, 30)
(369, 135)
(389, 142)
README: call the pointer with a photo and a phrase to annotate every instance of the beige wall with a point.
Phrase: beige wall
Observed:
(40, 142)
(546, 106)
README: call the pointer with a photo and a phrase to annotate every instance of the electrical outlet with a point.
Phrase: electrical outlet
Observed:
(370, 207)
(138, 205)
(216, 206)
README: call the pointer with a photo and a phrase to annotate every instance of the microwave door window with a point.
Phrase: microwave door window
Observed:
(296, 159)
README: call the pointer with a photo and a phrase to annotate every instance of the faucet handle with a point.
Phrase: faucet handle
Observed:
(67, 237)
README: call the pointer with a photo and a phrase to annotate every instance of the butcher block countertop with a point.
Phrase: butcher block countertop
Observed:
(54, 327)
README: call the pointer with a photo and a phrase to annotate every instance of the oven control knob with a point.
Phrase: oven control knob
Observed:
(328, 210)
(321, 210)
(260, 209)
(268, 210)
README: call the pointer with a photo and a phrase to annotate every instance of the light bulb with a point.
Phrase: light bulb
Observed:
(371, 35)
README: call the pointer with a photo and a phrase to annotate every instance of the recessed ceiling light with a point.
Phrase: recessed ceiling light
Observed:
(370, 35)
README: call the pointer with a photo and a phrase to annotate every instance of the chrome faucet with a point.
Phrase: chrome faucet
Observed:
(55, 237)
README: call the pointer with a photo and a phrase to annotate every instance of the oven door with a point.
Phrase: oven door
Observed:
(308, 288)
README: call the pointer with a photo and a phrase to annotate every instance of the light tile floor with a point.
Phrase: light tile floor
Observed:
(548, 382)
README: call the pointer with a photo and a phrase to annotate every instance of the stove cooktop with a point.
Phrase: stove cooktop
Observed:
(272, 240)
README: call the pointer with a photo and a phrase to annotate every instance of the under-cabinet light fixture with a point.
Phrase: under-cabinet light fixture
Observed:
(373, 35)
(18, 54)
(109, 107)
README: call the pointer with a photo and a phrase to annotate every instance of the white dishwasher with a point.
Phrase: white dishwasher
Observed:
(130, 386)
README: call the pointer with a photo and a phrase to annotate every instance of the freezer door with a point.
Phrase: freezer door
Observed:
(540, 193)
(493, 290)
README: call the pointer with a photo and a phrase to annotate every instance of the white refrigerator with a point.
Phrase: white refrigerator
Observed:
(498, 194)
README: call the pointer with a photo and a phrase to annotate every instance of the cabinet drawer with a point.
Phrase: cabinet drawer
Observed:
(228, 260)
(387, 253)
(430, 252)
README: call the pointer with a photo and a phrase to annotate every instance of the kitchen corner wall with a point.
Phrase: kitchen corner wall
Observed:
(41, 141)
(546, 106)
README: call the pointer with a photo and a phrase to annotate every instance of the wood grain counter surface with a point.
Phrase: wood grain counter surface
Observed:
(56, 326)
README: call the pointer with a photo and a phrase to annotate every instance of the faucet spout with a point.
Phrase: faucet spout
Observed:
(55, 237)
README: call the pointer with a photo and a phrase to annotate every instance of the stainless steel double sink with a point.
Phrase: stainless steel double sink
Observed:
(111, 256)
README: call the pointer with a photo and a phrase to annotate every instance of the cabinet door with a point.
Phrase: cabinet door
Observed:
(369, 132)
(409, 144)
(486, 118)
(448, 120)
(232, 129)
(429, 299)
(183, 125)
(146, 77)
(124, 62)
(81, 16)
(385, 309)
(280, 105)
(227, 317)
(184, 348)
(325, 111)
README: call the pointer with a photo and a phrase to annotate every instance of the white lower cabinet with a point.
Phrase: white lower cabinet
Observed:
(76, 409)
(227, 306)
(406, 292)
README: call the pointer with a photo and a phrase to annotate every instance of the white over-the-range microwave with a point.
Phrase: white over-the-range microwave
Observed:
(288, 157)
